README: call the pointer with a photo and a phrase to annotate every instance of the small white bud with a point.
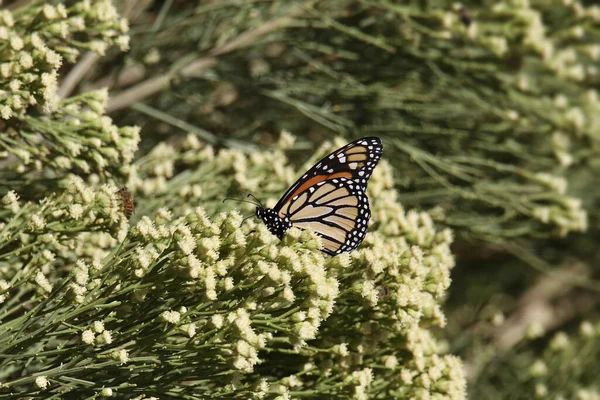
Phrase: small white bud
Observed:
(88, 336)
(41, 382)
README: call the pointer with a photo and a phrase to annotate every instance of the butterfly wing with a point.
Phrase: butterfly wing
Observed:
(355, 161)
(336, 209)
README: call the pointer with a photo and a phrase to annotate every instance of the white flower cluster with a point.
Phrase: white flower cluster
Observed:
(30, 64)
(545, 366)
(97, 334)
(79, 222)
(238, 173)
(81, 136)
(564, 52)
(255, 294)
(4, 287)
(568, 214)
(396, 279)
(81, 278)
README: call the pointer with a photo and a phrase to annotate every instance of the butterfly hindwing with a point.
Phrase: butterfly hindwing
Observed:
(337, 210)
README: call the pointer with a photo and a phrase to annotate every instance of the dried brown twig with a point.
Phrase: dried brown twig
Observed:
(539, 304)
(154, 85)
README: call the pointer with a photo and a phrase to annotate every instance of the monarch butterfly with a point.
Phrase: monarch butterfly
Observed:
(330, 198)
(126, 203)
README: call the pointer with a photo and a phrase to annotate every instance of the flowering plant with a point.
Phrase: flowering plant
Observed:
(183, 300)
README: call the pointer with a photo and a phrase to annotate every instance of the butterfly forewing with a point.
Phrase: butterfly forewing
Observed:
(354, 161)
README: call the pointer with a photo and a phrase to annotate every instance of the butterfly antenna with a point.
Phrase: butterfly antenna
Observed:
(244, 220)
(254, 197)
(242, 201)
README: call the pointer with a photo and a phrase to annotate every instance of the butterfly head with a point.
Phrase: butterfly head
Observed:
(276, 225)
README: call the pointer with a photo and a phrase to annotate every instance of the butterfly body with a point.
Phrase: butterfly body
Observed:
(276, 225)
(330, 198)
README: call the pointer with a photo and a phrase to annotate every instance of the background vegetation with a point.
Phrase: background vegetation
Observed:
(489, 113)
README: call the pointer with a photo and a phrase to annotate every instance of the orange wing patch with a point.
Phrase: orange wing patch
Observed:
(319, 178)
